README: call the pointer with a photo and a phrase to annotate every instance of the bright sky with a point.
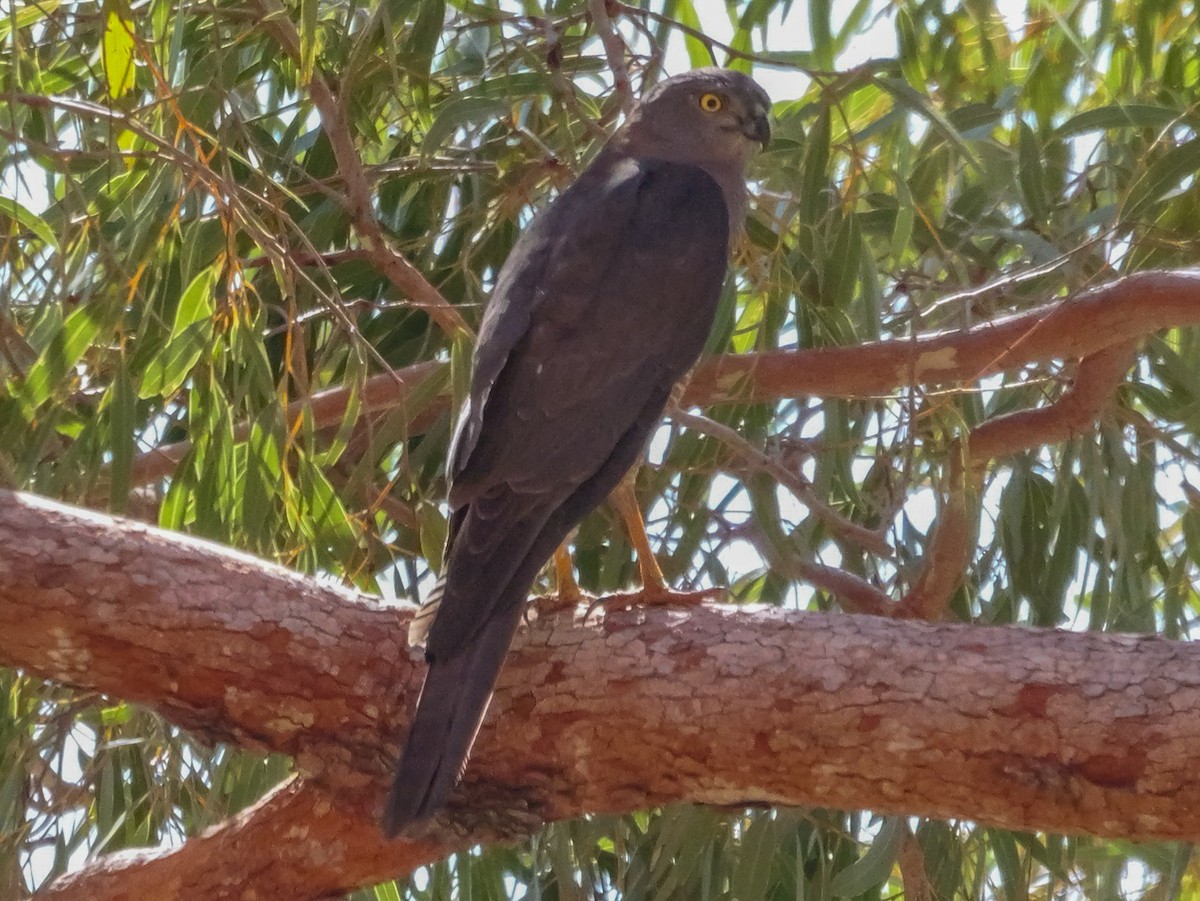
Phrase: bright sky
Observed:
(792, 33)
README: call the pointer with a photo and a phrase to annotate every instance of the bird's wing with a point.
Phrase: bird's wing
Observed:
(621, 310)
(591, 268)
(594, 319)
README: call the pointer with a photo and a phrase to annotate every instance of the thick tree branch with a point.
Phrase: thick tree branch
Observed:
(1127, 309)
(295, 843)
(1021, 728)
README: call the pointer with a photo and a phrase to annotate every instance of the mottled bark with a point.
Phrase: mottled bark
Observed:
(1020, 728)
(300, 842)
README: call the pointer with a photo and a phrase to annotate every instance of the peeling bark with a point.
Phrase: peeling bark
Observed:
(1018, 728)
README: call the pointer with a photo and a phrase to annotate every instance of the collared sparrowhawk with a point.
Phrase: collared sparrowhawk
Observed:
(604, 303)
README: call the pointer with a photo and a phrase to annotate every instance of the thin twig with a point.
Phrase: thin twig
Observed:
(306, 258)
(947, 554)
(563, 85)
(854, 593)
(868, 539)
(614, 52)
(765, 59)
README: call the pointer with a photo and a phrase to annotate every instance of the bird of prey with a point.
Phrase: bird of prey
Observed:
(604, 303)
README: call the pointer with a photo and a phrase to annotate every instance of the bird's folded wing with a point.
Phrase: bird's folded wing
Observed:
(621, 309)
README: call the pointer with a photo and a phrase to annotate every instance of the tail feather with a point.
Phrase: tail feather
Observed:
(449, 712)
(422, 621)
(466, 660)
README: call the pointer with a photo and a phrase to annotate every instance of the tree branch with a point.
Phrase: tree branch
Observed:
(1125, 310)
(295, 843)
(357, 200)
(381, 393)
(949, 551)
(614, 51)
(868, 539)
(1019, 728)
(1072, 414)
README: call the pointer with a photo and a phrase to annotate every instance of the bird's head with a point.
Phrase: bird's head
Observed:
(706, 117)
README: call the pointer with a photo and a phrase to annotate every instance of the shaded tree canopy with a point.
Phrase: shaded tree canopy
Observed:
(244, 248)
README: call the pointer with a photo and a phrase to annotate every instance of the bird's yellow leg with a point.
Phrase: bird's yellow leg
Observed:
(655, 591)
(568, 589)
(568, 594)
(626, 503)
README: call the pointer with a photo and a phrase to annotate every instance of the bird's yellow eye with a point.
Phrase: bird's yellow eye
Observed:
(711, 103)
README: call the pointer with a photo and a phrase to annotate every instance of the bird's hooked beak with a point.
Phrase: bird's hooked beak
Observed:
(757, 127)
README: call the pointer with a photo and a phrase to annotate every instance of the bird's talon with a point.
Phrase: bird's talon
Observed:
(653, 597)
(550, 604)
(670, 598)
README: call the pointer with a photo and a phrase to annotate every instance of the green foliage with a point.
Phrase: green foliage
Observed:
(177, 264)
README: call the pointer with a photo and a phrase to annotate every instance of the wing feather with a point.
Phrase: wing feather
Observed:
(624, 304)
(601, 307)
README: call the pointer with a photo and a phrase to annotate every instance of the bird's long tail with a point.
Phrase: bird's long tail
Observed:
(462, 675)
(449, 711)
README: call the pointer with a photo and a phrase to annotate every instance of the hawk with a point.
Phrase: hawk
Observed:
(604, 303)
